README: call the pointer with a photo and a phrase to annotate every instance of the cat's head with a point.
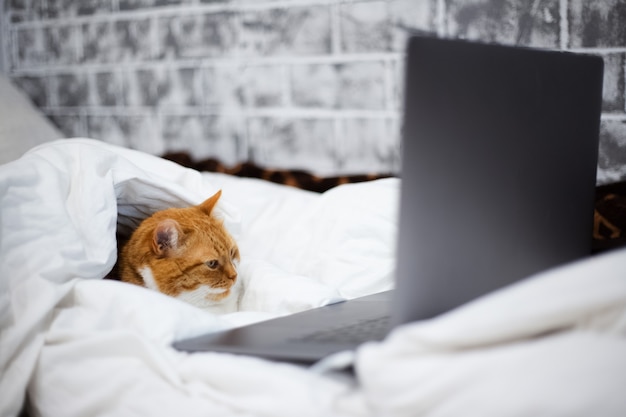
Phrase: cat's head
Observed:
(184, 252)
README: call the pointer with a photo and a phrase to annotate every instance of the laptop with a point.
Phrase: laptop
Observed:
(500, 148)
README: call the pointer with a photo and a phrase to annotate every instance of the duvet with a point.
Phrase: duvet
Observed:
(75, 344)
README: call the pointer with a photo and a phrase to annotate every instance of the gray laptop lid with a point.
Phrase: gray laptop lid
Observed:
(498, 180)
(499, 168)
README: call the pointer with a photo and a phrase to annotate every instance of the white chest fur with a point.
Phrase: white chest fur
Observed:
(201, 296)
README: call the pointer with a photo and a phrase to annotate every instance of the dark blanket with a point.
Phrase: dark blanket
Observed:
(609, 227)
(609, 222)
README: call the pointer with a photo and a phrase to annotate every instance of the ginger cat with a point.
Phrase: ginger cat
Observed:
(185, 253)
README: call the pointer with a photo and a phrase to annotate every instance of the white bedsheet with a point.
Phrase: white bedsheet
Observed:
(83, 346)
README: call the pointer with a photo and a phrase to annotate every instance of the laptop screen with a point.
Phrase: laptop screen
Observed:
(499, 168)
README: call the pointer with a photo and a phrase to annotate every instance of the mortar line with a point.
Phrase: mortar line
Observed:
(564, 24)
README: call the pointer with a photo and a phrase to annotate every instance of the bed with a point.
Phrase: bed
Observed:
(74, 343)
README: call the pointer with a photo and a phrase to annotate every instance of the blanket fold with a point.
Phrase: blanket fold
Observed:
(58, 223)
(550, 345)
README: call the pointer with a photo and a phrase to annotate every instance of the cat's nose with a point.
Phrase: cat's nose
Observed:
(231, 273)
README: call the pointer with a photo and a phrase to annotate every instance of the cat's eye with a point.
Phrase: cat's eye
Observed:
(212, 263)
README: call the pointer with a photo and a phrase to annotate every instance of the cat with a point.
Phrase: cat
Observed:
(186, 253)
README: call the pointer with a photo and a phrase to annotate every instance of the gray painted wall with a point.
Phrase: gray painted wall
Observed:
(313, 84)
(2, 53)
(3, 41)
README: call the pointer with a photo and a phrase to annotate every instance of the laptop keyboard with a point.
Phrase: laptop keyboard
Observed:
(362, 331)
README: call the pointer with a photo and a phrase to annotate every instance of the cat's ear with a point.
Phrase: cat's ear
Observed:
(166, 237)
(208, 204)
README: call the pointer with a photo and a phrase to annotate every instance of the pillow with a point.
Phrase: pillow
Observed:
(22, 125)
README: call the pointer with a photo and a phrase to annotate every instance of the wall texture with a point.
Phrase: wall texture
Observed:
(3, 45)
(314, 84)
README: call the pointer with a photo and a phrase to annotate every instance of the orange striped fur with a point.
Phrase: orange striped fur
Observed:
(186, 253)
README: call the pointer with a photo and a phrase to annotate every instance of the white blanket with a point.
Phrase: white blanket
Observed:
(78, 345)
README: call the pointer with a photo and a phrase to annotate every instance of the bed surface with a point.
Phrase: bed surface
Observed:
(76, 344)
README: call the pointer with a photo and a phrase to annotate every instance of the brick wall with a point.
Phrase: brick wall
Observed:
(313, 84)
